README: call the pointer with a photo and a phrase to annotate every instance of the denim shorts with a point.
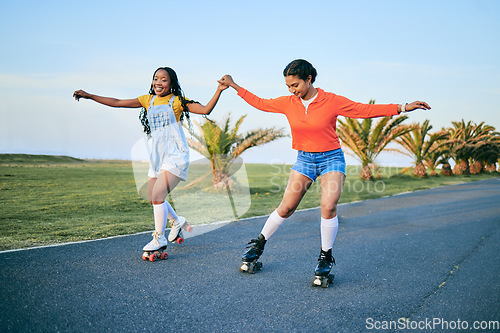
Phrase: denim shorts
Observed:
(313, 165)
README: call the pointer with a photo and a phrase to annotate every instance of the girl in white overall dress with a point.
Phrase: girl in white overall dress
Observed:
(167, 145)
(168, 149)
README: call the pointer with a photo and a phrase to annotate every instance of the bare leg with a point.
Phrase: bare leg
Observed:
(158, 188)
(295, 190)
(331, 189)
(298, 184)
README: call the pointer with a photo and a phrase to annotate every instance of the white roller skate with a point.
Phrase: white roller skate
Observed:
(175, 234)
(156, 248)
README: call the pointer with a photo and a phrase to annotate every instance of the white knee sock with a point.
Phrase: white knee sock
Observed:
(171, 214)
(329, 228)
(160, 218)
(272, 224)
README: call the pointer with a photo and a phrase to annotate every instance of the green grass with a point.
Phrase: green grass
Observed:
(54, 199)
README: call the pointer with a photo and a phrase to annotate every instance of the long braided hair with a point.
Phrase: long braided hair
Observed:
(174, 89)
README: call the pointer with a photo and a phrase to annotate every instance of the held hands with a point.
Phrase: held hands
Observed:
(80, 94)
(415, 106)
(227, 81)
(221, 87)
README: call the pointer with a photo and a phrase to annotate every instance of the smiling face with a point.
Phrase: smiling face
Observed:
(162, 83)
(299, 87)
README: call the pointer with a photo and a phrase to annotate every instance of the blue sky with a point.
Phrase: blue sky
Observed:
(444, 52)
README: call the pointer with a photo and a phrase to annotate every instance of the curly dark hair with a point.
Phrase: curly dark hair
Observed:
(174, 89)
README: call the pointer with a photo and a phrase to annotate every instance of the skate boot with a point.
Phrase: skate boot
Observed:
(250, 259)
(156, 248)
(175, 234)
(322, 272)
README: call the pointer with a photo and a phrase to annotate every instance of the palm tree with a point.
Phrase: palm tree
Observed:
(486, 149)
(461, 135)
(222, 145)
(439, 153)
(415, 145)
(366, 142)
(472, 143)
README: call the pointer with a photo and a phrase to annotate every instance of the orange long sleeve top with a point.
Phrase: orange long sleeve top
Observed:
(314, 129)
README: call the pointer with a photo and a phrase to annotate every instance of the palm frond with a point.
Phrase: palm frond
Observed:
(221, 143)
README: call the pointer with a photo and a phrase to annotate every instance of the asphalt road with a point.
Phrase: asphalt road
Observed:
(424, 256)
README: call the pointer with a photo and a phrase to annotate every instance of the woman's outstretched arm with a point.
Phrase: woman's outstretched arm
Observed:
(109, 101)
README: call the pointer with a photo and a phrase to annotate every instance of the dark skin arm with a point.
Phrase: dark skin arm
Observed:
(134, 103)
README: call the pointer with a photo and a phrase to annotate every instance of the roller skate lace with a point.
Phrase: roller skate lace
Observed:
(155, 238)
(257, 244)
(252, 241)
(256, 248)
(155, 243)
(326, 256)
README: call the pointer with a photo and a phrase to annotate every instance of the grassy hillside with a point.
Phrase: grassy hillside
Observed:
(25, 159)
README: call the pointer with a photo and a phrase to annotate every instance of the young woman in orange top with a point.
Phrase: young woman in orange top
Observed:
(312, 114)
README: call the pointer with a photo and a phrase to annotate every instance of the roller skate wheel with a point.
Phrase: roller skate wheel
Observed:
(152, 257)
(145, 257)
(163, 255)
(180, 240)
(189, 228)
(316, 281)
(325, 283)
(243, 267)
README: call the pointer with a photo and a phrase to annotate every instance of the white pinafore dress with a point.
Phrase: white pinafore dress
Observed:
(167, 146)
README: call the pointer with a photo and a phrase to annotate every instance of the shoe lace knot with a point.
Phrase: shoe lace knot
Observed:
(156, 235)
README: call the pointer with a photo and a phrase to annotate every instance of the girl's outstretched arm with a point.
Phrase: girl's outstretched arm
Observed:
(206, 109)
(109, 101)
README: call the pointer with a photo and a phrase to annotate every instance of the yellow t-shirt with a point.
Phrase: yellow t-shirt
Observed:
(177, 106)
